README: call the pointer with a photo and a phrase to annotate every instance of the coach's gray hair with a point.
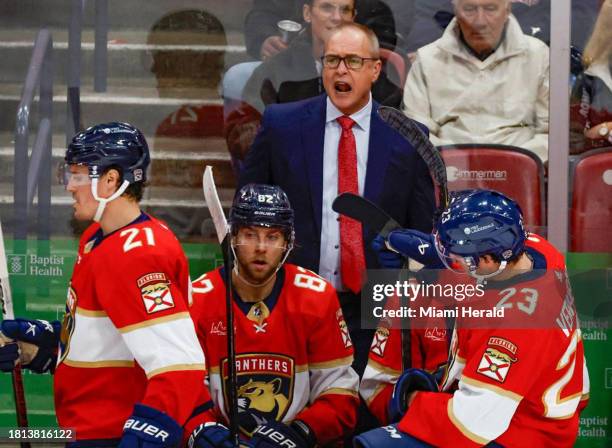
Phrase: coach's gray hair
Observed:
(454, 2)
(374, 45)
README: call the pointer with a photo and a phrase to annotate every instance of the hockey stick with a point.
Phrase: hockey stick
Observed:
(6, 303)
(378, 221)
(223, 234)
(408, 129)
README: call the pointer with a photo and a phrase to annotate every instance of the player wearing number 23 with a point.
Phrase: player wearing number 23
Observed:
(517, 381)
(128, 359)
(295, 384)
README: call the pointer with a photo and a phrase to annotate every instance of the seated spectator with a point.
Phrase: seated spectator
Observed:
(295, 74)
(391, 21)
(483, 81)
(591, 104)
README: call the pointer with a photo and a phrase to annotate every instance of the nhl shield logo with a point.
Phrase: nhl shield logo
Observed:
(265, 384)
(155, 292)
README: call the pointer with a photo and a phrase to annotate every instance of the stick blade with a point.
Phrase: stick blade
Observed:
(214, 204)
(366, 212)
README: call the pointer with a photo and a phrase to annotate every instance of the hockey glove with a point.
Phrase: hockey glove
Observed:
(38, 341)
(9, 353)
(150, 428)
(279, 435)
(387, 259)
(409, 381)
(211, 435)
(416, 245)
(387, 437)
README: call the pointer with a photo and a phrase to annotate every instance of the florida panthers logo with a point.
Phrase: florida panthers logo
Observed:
(265, 388)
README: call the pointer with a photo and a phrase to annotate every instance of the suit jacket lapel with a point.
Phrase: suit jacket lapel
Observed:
(379, 152)
(313, 139)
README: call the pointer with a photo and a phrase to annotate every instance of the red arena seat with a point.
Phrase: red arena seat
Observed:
(514, 171)
(591, 212)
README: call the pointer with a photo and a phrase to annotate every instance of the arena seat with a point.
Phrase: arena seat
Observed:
(516, 172)
(591, 207)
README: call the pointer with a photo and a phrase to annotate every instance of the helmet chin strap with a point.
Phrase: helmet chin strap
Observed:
(265, 282)
(481, 277)
(103, 201)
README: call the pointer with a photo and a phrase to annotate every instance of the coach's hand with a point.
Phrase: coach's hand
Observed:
(408, 382)
(149, 428)
(279, 435)
(38, 342)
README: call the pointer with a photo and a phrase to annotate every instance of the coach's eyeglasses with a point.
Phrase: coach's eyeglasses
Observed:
(352, 62)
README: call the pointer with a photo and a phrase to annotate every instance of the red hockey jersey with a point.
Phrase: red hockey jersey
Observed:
(514, 385)
(127, 336)
(428, 351)
(293, 353)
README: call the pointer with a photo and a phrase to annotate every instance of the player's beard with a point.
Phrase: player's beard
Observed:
(257, 277)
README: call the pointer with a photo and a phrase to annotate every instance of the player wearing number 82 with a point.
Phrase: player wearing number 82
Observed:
(295, 384)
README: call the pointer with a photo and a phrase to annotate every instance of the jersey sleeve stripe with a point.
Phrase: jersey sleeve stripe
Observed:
(175, 368)
(90, 313)
(97, 364)
(340, 391)
(322, 380)
(85, 342)
(383, 369)
(480, 411)
(347, 361)
(169, 342)
(466, 432)
(495, 389)
(151, 322)
(375, 380)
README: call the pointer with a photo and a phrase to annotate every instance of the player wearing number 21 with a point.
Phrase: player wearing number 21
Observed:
(295, 384)
(126, 358)
(520, 381)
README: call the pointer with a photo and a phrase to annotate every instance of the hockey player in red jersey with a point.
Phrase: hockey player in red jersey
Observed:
(128, 359)
(295, 384)
(507, 384)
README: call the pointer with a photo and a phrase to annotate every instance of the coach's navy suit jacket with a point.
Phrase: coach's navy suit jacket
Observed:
(288, 151)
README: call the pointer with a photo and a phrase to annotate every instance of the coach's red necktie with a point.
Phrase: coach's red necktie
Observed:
(352, 259)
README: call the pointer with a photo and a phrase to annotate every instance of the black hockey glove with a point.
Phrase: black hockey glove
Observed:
(38, 340)
(279, 435)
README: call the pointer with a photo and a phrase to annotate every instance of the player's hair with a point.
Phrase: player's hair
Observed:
(369, 34)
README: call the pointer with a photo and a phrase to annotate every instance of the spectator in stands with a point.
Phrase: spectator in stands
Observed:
(483, 81)
(295, 73)
(591, 105)
(391, 21)
(432, 16)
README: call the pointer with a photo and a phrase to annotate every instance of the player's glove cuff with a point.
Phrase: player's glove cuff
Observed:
(279, 435)
(38, 340)
(416, 245)
(388, 259)
(149, 428)
(409, 381)
(9, 354)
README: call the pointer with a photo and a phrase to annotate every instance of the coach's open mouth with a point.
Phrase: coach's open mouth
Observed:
(342, 87)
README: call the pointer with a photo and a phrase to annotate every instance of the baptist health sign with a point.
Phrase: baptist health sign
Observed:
(32, 264)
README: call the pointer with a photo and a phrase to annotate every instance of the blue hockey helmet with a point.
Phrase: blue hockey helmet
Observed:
(108, 145)
(262, 205)
(477, 223)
